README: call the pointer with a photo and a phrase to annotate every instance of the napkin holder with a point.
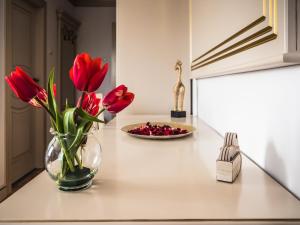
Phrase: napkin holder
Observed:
(229, 162)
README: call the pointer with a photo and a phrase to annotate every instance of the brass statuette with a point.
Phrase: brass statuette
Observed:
(178, 90)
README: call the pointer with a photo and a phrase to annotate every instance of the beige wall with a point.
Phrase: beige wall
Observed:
(2, 93)
(151, 36)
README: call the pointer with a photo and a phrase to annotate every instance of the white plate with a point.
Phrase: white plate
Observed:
(187, 127)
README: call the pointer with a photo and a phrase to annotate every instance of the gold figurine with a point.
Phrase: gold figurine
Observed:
(179, 90)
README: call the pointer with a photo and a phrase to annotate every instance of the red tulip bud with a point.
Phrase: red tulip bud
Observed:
(90, 104)
(117, 99)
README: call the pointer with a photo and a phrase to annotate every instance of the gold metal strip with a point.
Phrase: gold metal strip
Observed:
(244, 48)
(271, 13)
(275, 23)
(264, 7)
(251, 25)
(241, 42)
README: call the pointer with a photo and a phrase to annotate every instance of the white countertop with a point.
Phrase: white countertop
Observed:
(148, 180)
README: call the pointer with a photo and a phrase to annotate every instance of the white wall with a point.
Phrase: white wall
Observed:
(263, 107)
(95, 36)
(151, 36)
(2, 93)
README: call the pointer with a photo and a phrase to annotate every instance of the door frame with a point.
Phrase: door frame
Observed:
(64, 20)
(3, 187)
(40, 5)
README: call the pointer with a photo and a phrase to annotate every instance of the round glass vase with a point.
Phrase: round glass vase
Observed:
(71, 166)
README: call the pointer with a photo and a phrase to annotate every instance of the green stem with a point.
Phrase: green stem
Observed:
(45, 107)
(86, 130)
(78, 161)
(64, 168)
(74, 152)
(88, 127)
(101, 111)
(69, 160)
(81, 155)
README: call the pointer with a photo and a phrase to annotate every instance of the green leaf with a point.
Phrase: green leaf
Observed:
(69, 121)
(52, 103)
(59, 123)
(51, 99)
(88, 117)
(79, 135)
(88, 127)
(67, 104)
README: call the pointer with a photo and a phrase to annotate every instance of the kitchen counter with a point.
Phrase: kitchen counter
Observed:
(170, 181)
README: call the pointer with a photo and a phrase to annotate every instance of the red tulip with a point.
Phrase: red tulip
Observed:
(42, 95)
(90, 104)
(117, 99)
(24, 87)
(87, 74)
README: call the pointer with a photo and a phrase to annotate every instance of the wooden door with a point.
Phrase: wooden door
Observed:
(24, 119)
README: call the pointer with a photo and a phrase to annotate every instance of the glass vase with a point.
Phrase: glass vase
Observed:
(73, 166)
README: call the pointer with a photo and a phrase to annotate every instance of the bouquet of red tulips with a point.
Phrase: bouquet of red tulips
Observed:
(87, 75)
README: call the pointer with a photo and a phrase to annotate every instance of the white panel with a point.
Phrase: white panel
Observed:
(213, 21)
(210, 15)
(151, 36)
(263, 108)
